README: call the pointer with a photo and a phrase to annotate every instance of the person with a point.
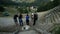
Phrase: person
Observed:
(16, 22)
(35, 18)
(27, 19)
(15, 19)
(20, 20)
(32, 16)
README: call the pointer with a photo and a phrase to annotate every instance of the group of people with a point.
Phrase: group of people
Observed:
(34, 17)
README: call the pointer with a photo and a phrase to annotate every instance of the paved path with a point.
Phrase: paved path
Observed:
(8, 21)
(25, 32)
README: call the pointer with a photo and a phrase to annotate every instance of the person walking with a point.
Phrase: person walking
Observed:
(35, 18)
(16, 22)
(20, 19)
(15, 19)
(27, 19)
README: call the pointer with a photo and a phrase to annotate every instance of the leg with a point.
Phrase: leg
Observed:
(34, 22)
(17, 27)
(27, 22)
(16, 22)
(21, 22)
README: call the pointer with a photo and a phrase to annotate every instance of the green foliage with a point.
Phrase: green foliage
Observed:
(48, 5)
(25, 11)
(22, 10)
(1, 9)
(56, 30)
(56, 2)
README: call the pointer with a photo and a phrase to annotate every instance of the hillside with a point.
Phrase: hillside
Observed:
(23, 2)
(27, 1)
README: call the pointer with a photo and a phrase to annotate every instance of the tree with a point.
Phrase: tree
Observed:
(20, 10)
(56, 2)
(1, 9)
(48, 5)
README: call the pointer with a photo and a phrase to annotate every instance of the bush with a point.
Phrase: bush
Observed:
(48, 5)
(23, 11)
(1, 9)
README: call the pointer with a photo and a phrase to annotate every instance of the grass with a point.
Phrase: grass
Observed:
(56, 30)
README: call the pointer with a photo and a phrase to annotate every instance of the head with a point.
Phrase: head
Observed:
(32, 13)
(27, 14)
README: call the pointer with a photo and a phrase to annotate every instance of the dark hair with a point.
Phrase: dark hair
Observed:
(27, 14)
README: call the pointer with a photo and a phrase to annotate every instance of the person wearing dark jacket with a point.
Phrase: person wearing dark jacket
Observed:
(16, 22)
(15, 19)
(20, 20)
(35, 18)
